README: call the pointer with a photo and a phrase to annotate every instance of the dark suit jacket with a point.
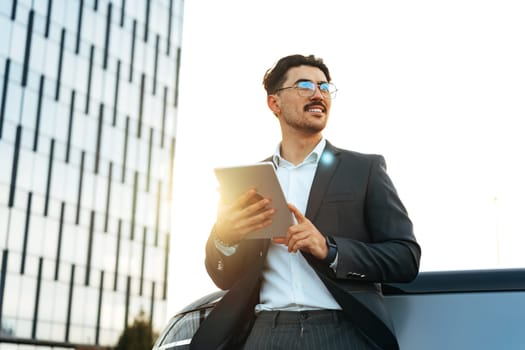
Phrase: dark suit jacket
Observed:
(353, 200)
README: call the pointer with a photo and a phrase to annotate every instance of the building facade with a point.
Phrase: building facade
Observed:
(88, 108)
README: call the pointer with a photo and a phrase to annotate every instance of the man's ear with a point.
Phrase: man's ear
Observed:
(274, 104)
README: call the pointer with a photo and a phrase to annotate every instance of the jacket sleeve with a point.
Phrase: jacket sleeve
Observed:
(226, 270)
(390, 253)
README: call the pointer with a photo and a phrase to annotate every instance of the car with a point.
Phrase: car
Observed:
(181, 327)
(472, 309)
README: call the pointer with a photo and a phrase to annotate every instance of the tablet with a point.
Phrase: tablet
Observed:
(235, 180)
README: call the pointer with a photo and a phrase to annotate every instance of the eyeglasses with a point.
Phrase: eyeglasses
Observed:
(307, 88)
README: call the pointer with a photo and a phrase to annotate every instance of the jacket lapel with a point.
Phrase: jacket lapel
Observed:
(325, 171)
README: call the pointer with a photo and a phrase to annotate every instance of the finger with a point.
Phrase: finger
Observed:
(253, 227)
(279, 240)
(249, 212)
(296, 229)
(292, 230)
(254, 222)
(246, 198)
(235, 230)
(298, 215)
(297, 241)
(258, 207)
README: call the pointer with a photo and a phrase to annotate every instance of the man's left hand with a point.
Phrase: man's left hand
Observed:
(304, 236)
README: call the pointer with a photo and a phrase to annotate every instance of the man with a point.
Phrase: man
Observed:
(318, 286)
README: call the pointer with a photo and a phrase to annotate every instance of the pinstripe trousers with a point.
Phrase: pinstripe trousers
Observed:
(306, 330)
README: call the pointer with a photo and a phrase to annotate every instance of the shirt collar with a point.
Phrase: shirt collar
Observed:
(312, 158)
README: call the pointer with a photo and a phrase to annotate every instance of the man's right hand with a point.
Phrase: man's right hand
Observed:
(247, 213)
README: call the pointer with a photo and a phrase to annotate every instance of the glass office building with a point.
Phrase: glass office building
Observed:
(88, 108)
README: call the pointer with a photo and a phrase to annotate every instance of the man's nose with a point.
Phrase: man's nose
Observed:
(317, 95)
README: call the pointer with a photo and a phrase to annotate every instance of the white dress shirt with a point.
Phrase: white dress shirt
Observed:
(289, 283)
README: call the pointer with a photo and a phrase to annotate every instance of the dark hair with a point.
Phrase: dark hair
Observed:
(275, 76)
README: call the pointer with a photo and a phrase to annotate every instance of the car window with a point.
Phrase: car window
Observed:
(181, 329)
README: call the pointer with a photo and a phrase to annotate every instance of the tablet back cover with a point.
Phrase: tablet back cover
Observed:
(235, 180)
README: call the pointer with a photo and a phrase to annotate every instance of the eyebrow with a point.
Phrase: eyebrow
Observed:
(301, 80)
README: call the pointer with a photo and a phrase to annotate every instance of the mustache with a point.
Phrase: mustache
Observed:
(315, 104)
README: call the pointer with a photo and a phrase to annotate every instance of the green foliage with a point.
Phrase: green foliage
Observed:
(138, 336)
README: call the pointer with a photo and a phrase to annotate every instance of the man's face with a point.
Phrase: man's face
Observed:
(307, 114)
